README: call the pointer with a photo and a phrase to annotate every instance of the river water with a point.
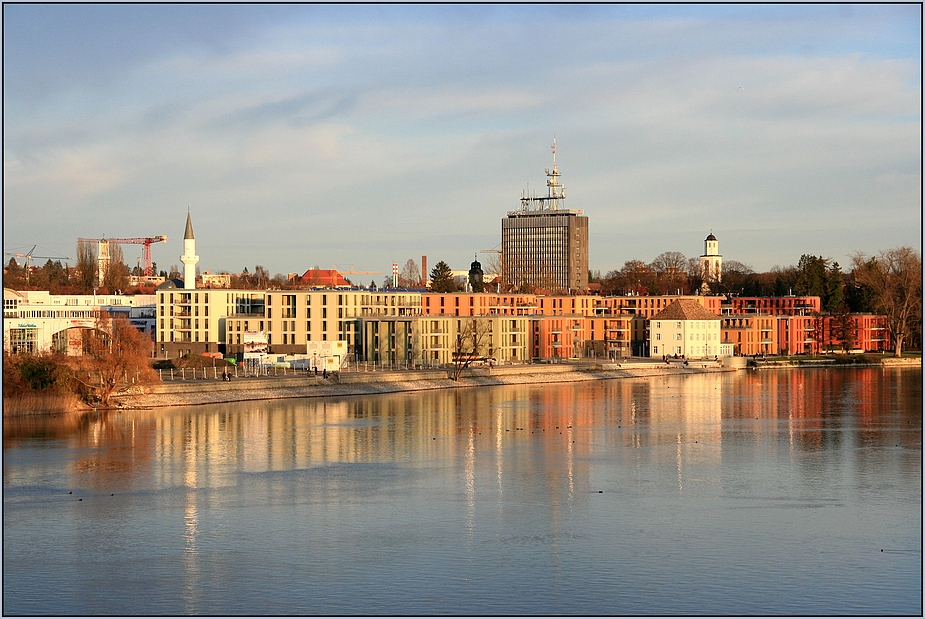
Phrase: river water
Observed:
(772, 492)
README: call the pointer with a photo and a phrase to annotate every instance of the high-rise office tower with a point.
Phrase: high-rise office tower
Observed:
(543, 244)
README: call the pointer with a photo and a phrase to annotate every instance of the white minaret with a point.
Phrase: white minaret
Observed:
(189, 257)
(711, 263)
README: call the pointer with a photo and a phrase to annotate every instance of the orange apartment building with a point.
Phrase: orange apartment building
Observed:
(611, 327)
(750, 334)
(813, 335)
(774, 306)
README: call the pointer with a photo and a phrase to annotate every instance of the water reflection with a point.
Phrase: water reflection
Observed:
(639, 486)
(811, 408)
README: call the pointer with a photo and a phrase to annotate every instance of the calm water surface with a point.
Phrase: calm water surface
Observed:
(747, 493)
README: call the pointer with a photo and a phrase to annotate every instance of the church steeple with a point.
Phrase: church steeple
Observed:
(711, 263)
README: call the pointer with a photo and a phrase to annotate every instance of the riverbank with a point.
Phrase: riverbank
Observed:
(196, 392)
(819, 362)
(205, 391)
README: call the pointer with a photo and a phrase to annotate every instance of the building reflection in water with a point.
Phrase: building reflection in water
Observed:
(508, 446)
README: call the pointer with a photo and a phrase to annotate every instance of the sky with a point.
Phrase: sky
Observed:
(361, 135)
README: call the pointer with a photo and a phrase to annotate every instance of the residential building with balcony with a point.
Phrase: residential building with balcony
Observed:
(750, 334)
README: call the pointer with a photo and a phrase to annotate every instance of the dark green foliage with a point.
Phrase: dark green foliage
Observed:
(441, 278)
(814, 276)
(860, 298)
(38, 373)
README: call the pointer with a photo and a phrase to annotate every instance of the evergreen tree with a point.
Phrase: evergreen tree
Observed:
(810, 276)
(834, 296)
(441, 278)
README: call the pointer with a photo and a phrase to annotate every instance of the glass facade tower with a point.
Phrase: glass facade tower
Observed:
(544, 245)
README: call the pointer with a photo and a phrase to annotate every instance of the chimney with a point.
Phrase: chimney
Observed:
(423, 271)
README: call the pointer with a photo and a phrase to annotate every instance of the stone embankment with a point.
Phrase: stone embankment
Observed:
(828, 362)
(194, 392)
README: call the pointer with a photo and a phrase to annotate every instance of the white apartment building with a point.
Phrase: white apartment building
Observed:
(36, 321)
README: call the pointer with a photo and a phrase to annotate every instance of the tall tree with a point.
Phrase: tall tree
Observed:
(116, 276)
(261, 277)
(694, 275)
(810, 276)
(670, 269)
(784, 280)
(895, 277)
(441, 278)
(410, 275)
(87, 266)
(834, 296)
(636, 277)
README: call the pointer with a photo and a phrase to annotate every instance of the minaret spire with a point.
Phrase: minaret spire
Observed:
(189, 257)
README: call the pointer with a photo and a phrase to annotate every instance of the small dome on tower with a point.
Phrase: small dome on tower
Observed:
(711, 237)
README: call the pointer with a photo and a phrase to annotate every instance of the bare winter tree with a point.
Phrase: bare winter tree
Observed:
(736, 277)
(472, 338)
(410, 275)
(491, 266)
(116, 275)
(895, 277)
(671, 272)
(261, 277)
(115, 354)
(636, 277)
(694, 275)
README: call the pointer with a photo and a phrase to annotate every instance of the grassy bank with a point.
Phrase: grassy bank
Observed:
(41, 404)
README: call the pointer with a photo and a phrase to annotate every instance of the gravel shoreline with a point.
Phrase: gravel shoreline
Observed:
(267, 391)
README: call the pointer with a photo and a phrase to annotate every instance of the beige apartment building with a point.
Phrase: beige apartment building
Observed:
(428, 341)
(198, 321)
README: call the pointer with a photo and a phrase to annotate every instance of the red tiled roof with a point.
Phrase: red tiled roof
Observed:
(323, 277)
(685, 309)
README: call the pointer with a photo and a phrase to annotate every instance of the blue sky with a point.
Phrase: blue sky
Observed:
(304, 135)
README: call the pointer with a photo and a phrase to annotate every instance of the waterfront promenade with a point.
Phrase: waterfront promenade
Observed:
(214, 391)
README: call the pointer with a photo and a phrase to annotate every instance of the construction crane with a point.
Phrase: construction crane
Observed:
(353, 271)
(495, 251)
(146, 241)
(29, 256)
